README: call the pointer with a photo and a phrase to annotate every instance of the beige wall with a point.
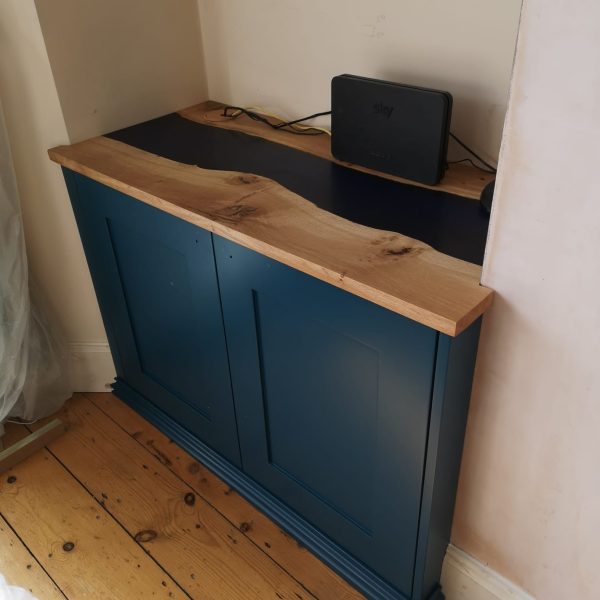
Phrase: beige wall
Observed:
(529, 500)
(119, 62)
(83, 68)
(35, 122)
(283, 54)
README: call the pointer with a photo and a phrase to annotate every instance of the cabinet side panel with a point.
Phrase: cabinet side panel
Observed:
(451, 394)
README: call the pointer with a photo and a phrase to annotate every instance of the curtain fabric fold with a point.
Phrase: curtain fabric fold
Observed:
(33, 376)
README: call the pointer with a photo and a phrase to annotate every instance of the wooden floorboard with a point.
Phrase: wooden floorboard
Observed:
(299, 562)
(145, 520)
(73, 538)
(194, 543)
(21, 569)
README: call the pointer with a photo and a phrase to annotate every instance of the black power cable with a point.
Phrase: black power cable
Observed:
(319, 114)
(491, 168)
(287, 125)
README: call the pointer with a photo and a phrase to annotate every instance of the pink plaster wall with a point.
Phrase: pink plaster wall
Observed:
(529, 497)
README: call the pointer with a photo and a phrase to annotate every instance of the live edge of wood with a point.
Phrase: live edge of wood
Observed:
(399, 273)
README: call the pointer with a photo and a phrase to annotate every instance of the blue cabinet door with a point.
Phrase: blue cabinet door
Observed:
(156, 283)
(333, 395)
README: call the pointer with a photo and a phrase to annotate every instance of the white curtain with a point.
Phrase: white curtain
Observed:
(11, 592)
(33, 378)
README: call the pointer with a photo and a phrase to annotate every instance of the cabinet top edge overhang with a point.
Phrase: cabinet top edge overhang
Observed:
(395, 271)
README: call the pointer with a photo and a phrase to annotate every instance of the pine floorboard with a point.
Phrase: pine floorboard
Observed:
(114, 509)
(17, 564)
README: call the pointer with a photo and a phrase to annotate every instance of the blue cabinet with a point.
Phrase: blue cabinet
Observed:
(156, 284)
(341, 420)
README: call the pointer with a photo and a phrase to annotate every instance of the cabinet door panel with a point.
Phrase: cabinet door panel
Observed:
(156, 283)
(332, 397)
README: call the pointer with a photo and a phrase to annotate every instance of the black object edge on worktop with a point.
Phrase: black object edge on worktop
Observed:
(449, 223)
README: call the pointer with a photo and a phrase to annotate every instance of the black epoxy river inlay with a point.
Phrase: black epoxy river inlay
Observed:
(451, 224)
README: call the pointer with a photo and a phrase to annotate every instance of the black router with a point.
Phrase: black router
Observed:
(391, 127)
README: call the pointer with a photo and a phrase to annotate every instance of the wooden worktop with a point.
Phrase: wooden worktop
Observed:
(397, 272)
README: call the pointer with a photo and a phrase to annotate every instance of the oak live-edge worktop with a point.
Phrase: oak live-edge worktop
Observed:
(287, 320)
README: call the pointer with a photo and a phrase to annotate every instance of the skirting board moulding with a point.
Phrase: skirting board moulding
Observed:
(91, 366)
(465, 578)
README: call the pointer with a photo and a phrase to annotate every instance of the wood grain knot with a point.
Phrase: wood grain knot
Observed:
(236, 212)
(398, 251)
(158, 453)
(244, 179)
(146, 535)
(190, 499)
(245, 527)
(68, 546)
(11, 479)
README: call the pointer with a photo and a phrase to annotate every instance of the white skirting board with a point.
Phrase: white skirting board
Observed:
(465, 578)
(91, 367)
